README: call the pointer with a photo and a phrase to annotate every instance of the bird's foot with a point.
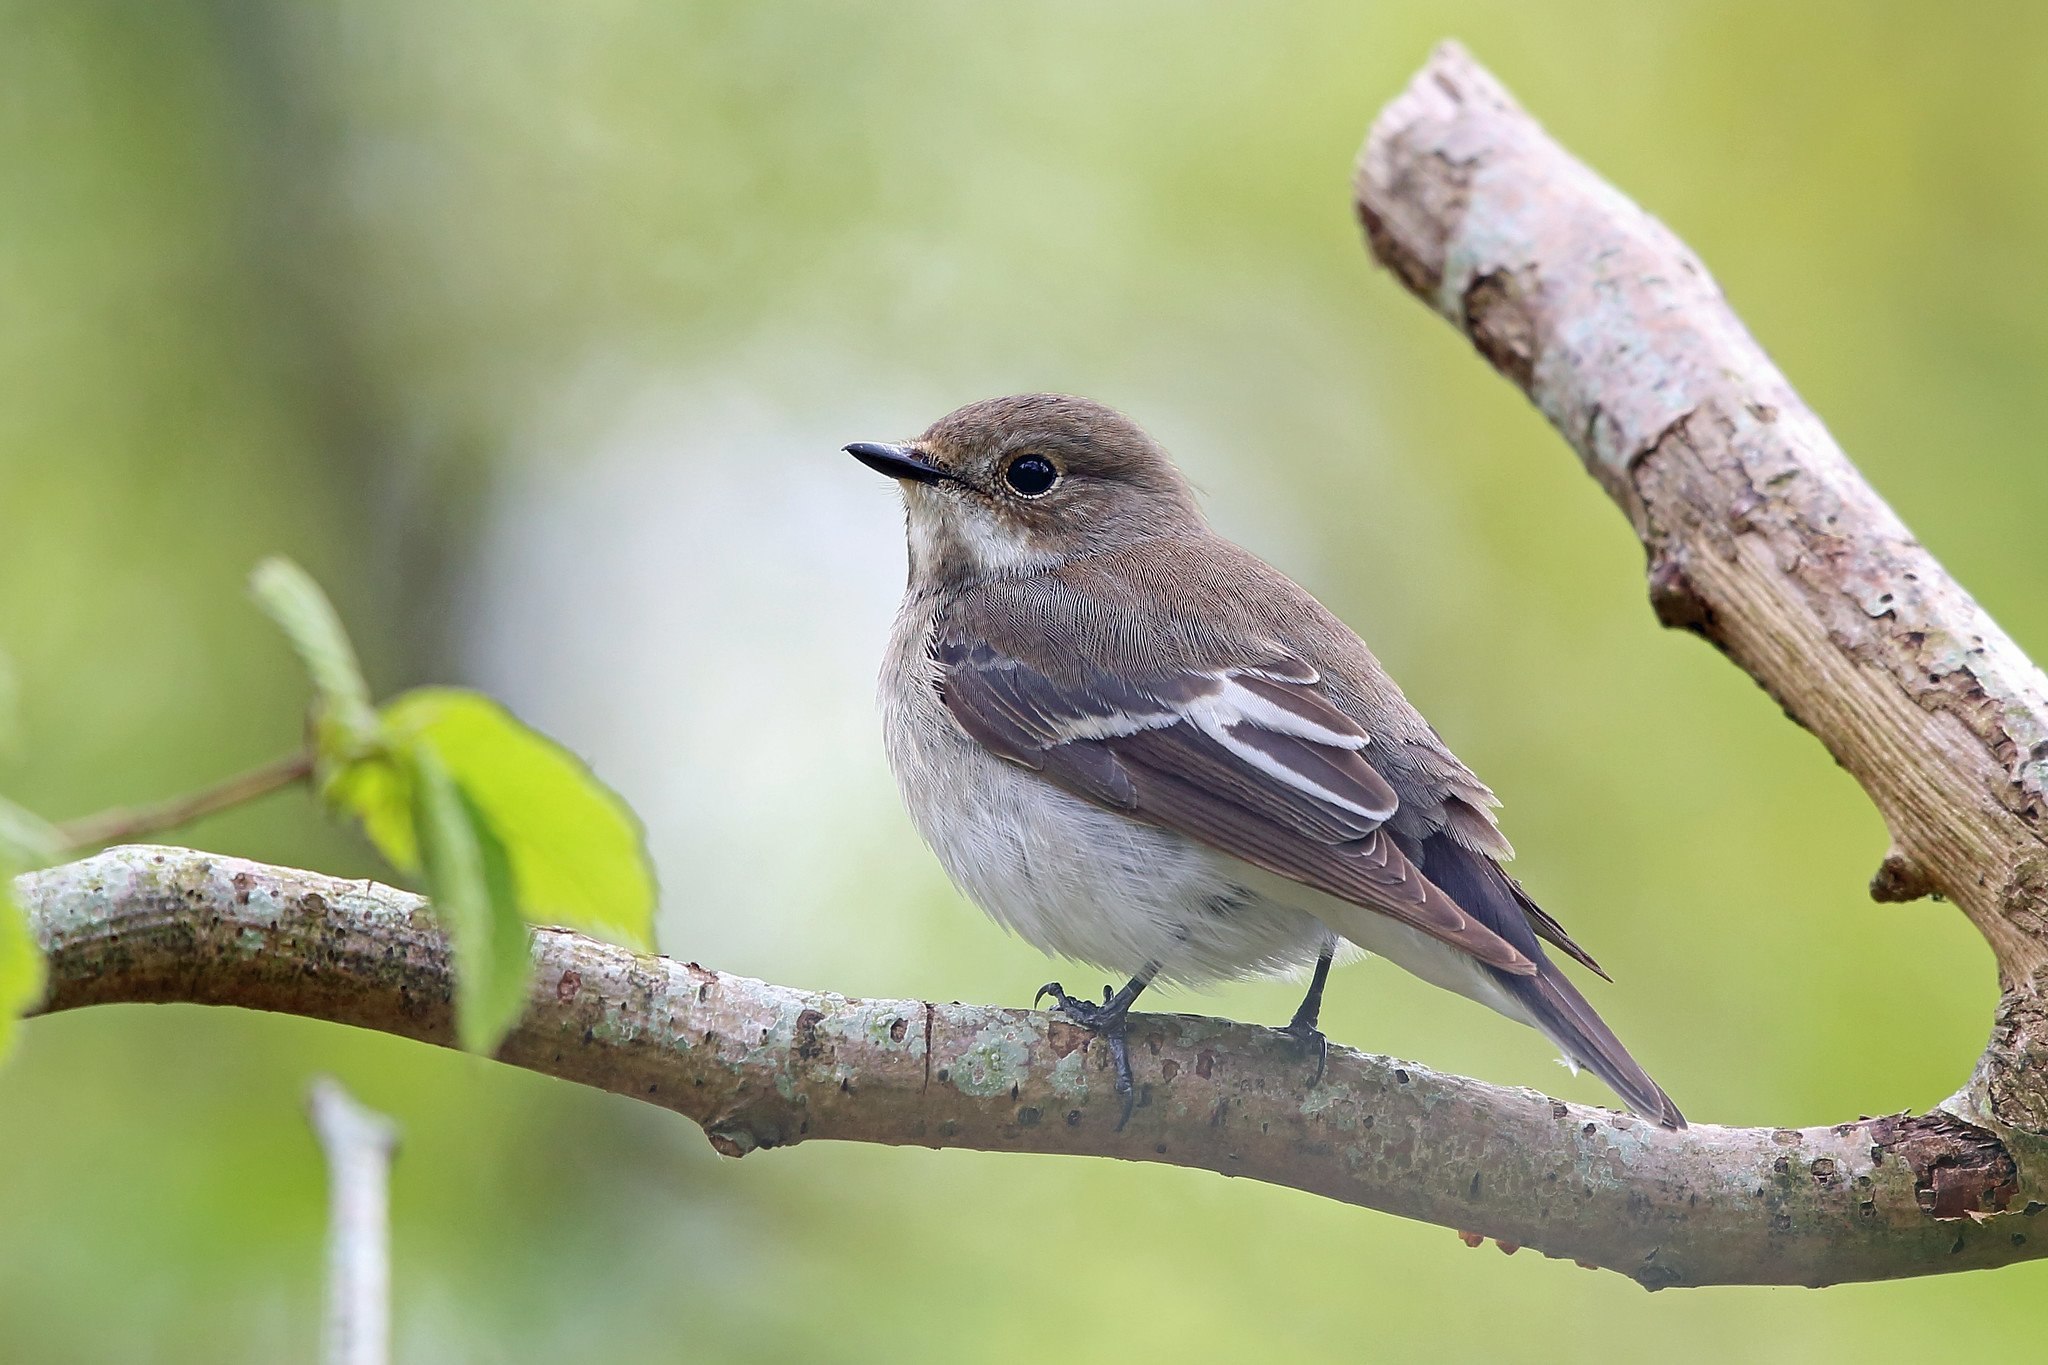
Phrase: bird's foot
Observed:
(1311, 1041)
(1109, 1021)
(1302, 1027)
(1093, 1017)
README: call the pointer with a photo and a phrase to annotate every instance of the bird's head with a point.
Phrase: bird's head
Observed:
(1022, 484)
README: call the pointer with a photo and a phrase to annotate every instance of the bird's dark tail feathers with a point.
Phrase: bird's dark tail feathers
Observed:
(1483, 889)
(1567, 1020)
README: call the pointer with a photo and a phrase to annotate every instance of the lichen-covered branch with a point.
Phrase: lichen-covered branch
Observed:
(1761, 536)
(759, 1065)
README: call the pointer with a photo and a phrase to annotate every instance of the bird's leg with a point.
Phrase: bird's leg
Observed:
(1108, 1021)
(1302, 1028)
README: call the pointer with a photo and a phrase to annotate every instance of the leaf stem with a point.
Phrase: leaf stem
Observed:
(126, 823)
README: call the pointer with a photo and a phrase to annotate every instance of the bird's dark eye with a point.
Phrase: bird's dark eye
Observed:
(1030, 474)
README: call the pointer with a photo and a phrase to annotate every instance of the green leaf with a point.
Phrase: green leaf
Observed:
(27, 840)
(22, 970)
(379, 792)
(344, 724)
(578, 854)
(469, 881)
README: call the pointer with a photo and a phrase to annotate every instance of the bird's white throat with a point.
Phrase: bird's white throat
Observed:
(951, 527)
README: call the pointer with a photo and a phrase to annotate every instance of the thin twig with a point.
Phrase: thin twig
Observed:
(124, 824)
(359, 1144)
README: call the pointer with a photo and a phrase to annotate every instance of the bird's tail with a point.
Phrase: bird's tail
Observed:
(1562, 1014)
(1552, 1003)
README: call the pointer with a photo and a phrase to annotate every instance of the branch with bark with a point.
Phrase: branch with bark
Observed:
(759, 1065)
(1761, 537)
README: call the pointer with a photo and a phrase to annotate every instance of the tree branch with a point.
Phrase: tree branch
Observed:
(1761, 537)
(124, 824)
(762, 1066)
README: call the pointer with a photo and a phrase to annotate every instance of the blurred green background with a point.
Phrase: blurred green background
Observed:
(534, 331)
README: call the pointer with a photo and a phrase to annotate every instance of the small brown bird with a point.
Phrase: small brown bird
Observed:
(1137, 745)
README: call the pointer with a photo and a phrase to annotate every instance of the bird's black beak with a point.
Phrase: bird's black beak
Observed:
(898, 462)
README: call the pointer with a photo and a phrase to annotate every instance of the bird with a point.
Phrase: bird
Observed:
(1140, 747)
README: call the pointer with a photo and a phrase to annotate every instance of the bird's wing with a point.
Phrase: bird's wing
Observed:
(1549, 930)
(1252, 761)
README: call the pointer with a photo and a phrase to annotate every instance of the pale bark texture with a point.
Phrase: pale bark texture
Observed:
(1761, 537)
(759, 1065)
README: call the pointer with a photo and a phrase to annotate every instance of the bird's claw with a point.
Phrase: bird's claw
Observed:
(1106, 1022)
(1120, 1060)
(1310, 1038)
(1098, 1018)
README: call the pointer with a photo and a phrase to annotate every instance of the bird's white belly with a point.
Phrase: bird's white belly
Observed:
(1074, 879)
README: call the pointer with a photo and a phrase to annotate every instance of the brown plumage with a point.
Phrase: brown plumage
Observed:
(1183, 734)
